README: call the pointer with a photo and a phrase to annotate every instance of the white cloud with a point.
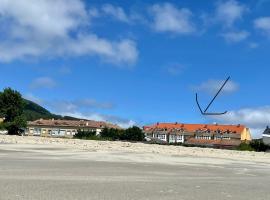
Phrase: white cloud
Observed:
(168, 18)
(38, 28)
(212, 86)
(235, 36)
(255, 118)
(78, 105)
(43, 82)
(46, 17)
(124, 123)
(123, 51)
(115, 12)
(33, 98)
(229, 12)
(92, 103)
(263, 24)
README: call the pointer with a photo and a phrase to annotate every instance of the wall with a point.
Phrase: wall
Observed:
(68, 132)
(246, 135)
(266, 139)
(51, 132)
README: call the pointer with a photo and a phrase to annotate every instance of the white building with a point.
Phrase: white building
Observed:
(64, 128)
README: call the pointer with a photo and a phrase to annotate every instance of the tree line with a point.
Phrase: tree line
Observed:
(130, 134)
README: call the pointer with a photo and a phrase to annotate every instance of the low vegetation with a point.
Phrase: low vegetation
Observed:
(86, 135)
(254, 145)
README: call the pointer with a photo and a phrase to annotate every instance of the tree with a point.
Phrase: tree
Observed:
(133, 134)
(111, 133)
(11, 109)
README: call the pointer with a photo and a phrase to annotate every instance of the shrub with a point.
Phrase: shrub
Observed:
(258, 145)
(87, 135)
(245, 147)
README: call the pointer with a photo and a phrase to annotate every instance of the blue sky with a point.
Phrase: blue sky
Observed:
(137, 62)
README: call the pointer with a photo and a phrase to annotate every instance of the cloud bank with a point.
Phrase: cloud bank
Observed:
(212, 86)
(255, 118)
(168, 18)
(56, 28)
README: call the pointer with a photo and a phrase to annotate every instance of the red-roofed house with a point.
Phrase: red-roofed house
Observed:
(199, 134)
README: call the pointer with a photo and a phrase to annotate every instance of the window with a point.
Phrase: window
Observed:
(203, 137)
(161, 136)
(37, 131)
(62, 132)
(55, 132)
(172, 138)
(180, 138)
(222, 138)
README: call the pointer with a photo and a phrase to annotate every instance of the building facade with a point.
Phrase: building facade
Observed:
(199, 134)
(64, 128)
(266, 136)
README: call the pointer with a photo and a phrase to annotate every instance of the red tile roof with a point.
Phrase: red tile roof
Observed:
(72, 123)
(195, 127)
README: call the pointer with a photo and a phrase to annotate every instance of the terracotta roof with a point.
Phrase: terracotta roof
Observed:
(214, 142)
(72, 123)
(196, 127)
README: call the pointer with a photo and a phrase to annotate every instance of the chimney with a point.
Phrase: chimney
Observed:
(157, 123)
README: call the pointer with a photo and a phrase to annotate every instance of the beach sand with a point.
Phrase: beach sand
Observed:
(152, 149)
(35, 168)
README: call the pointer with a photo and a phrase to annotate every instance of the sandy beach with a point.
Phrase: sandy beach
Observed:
(152, 149)
(35, 168)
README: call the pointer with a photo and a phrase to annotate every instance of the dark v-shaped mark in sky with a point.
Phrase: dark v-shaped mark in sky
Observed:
(205, 111)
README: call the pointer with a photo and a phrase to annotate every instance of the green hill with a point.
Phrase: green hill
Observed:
(33, 111)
